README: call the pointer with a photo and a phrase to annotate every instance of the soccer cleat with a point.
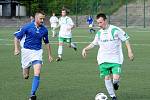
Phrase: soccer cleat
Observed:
(116, 86)
(113, 98)
(26, 77)
(33, 97)
(58, 59)
(75, 48)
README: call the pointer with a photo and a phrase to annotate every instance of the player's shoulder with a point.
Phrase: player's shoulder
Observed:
(98, 32)
(27, 25)
(115, 27)
(68, 18)
(44, 28)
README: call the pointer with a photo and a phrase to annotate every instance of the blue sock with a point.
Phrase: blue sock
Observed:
(35, 84)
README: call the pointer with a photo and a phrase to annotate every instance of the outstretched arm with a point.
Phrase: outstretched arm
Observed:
(84, 51)
(130, 53)
(16, 45)
(48, 47)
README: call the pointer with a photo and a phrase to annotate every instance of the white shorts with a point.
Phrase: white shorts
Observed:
(91, 25)
(28, 56)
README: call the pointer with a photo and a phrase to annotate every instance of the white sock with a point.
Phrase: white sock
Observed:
(110, 88)
(73, 45)
(53, 33)
(60, 49)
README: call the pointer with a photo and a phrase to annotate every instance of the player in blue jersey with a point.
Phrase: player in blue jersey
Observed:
(90, 23)
(30, 37)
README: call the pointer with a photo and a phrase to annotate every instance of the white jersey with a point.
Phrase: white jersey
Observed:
(66, 24)
(53, 21)
(110, 44)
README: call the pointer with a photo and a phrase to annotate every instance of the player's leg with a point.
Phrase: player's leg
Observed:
(93, 31)
(106, 73)
(116, 70)
(53, 31)
(37, 64)
(26, 63)
(60, 49)
(71, 44)
(26, 72)
(109, 87)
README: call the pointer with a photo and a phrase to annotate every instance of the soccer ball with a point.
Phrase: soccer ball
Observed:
(101, 96)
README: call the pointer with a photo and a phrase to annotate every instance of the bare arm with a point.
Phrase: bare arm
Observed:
(48, 47)
(130, 53)
(84, 51)
(16, 45)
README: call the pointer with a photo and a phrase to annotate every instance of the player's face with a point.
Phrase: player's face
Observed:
(39, 19)
(53, 14)
(63, 13)
(101, 22)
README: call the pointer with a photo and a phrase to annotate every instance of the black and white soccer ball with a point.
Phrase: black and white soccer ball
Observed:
(101, 96)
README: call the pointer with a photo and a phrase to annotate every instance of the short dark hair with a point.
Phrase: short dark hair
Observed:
(65, 9)
(39, 12)
(101, 15)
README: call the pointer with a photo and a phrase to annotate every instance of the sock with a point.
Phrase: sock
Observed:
(73, 45)
(115, 81)
(110, 88)
(90, 30)
(53, 33)
(35, 84)
(60, 49)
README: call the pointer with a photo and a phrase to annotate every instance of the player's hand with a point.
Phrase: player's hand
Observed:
(50, 58)
(131, 56)
(16, 52)
(84, 53)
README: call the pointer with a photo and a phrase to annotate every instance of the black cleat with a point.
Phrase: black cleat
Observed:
(116, 86)
(58, 59)
(26, 77)
(33, 97)
(75, 49)
(114, 98)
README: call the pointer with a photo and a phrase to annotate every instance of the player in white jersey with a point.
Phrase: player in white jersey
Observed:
(110, 57)
(65, 35)
(53, 22)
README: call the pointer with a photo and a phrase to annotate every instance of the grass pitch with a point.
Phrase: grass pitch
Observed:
(75, 78)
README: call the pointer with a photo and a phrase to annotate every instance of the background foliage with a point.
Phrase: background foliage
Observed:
(81, 7)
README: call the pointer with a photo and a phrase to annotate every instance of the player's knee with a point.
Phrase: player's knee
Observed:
(116, 76)
(108, 77)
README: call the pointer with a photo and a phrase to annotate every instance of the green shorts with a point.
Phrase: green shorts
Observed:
(67, 40)
(109, 68)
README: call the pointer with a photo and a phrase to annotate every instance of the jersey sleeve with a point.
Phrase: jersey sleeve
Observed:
(95, 41)
(122, 35)
(69, 21)
(20, 33)
(45, 37)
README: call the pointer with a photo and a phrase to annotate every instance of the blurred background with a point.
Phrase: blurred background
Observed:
(124, 13)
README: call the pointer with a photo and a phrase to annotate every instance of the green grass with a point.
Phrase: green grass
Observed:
(75, 78)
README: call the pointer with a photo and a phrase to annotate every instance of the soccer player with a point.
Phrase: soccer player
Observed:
(90, 23)
(30, 37)
(66, 24)
(54, 22)
(110, 57)
(31, 18)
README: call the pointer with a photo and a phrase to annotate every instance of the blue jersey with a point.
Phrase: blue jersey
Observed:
(31, 37)
(90, 20)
